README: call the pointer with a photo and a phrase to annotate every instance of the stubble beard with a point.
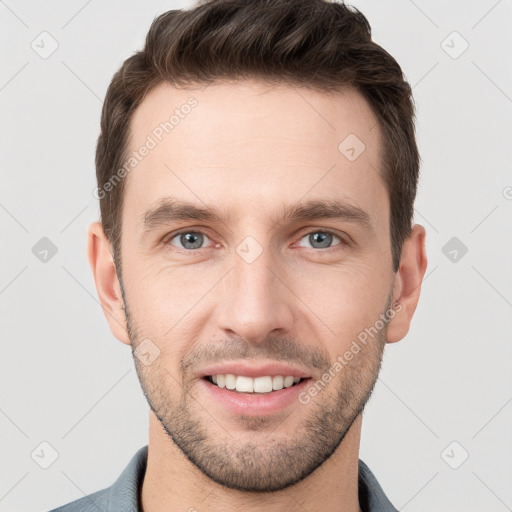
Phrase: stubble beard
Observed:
(258, 458)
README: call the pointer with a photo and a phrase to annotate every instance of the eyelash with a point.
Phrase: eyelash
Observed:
(167, 240)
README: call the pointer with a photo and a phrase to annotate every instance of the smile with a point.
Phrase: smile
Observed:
(244, 384)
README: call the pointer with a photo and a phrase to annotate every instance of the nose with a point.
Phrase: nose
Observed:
(255, 301)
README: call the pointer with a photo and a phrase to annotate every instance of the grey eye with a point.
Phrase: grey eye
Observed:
(320, 239)
(190, 239)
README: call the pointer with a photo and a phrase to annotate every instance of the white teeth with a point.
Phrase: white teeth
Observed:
(288, 381)
(262, 384)
(244, 384)
(277, 382)
(230, 381)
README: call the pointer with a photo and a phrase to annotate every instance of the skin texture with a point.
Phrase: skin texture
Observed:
(253, 148)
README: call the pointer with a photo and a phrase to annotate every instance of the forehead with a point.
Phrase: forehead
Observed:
(253, 144)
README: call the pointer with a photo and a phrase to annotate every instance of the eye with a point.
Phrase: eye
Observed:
(189, 240)
(194, 240)
(322, 239)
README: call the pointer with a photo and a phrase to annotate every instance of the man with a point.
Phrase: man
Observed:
(257, 170)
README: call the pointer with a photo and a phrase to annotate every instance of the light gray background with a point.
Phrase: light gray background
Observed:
(64, 378)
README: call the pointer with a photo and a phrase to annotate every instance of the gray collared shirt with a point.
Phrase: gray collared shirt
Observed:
(123, 494)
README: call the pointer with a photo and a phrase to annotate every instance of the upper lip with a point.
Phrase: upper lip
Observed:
(252, 369)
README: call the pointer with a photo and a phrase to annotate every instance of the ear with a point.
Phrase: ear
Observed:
(107, 283)
(407, 287)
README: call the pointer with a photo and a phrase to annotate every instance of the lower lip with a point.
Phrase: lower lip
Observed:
(253, 404)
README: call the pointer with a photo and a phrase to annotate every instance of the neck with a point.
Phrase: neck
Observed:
(172, 482)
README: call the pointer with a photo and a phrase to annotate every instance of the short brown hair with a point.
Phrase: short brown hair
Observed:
(313, 43)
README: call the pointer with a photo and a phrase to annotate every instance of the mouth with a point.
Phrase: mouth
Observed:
(253, 388)
(245, 396)
(262, 385)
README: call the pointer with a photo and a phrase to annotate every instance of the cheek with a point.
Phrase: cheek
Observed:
(157, 289)
(346, 298)
(163, 304)
(339, 298)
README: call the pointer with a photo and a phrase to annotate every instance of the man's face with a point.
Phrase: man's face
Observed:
(256, 287)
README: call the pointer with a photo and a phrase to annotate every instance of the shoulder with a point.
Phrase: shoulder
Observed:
(92, 502)
(371, 495)
(123, 494)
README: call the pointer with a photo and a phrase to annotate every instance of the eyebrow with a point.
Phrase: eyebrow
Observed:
(170, 210)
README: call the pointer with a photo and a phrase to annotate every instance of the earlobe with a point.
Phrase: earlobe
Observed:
(409, 277)
(107, 282)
